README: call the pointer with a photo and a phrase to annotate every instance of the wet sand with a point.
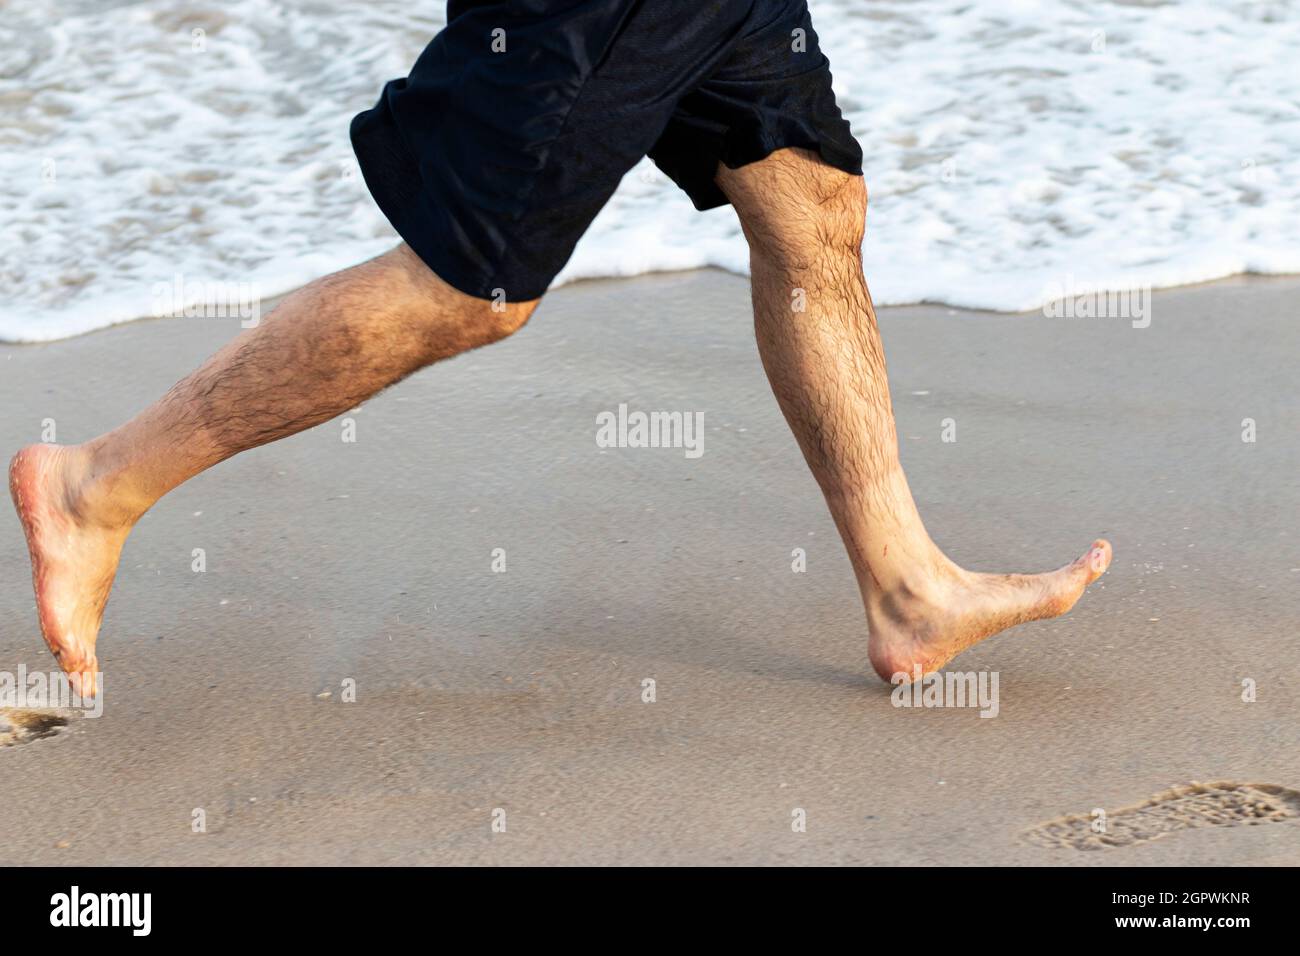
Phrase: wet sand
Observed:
(372, 561)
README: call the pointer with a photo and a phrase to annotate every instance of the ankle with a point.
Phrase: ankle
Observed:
(910, 575)
(95, 494)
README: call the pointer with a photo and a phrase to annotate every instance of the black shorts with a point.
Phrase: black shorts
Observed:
(519, 119)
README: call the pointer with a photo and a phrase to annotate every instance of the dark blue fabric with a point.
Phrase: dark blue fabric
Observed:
(491, 165)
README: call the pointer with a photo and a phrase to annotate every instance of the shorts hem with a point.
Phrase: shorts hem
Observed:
(706, 194)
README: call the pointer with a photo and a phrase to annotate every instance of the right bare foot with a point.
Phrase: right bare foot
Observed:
(74, 556)
(917, 629)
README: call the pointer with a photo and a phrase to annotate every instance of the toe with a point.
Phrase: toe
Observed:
(1065, 587)
(78, 660)
(1096, 560)
(82, 678)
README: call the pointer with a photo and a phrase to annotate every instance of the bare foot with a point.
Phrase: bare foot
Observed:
(74, 558)
(925, 626)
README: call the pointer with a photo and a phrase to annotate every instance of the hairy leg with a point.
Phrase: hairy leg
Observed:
(323, 350)
(805, 221)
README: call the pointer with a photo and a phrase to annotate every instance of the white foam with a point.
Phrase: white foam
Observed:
(1010, 148)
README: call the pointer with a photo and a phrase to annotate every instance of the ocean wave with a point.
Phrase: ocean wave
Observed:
(1012, 149)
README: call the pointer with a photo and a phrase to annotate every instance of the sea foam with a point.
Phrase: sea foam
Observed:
(1010, 147)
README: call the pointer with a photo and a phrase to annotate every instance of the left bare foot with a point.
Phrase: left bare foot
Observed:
(74, 556)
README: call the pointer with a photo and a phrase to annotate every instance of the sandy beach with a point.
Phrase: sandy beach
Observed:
(477, 690)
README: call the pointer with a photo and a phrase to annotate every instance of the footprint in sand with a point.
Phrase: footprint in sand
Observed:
(1182, 808)
(21, 726)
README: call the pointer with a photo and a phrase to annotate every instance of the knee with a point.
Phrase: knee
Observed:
(500, 320)
(850, 203)
(818, 215)
(842, 223)
(460, 320)
(471, 323)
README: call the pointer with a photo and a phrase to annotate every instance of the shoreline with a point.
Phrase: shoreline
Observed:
(269, 301)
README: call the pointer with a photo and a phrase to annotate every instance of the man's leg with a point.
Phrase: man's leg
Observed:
(804, 221)
(324, 350)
